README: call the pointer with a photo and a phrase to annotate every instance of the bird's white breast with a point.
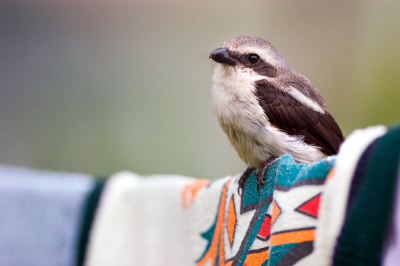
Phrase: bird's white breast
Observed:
(243, 120)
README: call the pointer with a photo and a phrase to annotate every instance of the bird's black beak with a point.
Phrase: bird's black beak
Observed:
(220, 55)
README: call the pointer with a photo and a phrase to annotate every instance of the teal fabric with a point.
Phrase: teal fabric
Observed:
(250, 193)
(288, 173)
(278, 253)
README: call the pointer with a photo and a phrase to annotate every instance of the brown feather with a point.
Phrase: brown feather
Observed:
(291, 116)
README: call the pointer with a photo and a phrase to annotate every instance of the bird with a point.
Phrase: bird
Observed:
(267, 109)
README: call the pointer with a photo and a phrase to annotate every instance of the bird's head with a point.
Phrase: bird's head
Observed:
(243, 61)
(252, 56)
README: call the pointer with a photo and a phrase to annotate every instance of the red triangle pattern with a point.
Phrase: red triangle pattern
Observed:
(311, 207)
(265, 229)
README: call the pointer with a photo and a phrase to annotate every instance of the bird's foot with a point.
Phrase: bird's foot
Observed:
(243, 179)
(260, 173)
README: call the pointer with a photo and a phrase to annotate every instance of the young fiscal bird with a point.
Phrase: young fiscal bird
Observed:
(267, 109)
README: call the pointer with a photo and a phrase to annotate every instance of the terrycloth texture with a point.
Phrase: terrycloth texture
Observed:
(142, 222)
(181, 221)
(40, 215)
(362, 236)
(334, 200)
(391, 256)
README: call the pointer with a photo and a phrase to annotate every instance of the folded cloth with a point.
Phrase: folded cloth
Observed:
(361, 240)
(174, 220)
(336, 192)
(40, 216)
(142, 222)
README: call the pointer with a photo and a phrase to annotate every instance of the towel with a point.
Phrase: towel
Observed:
(331, 212)
(357, 204)
(40, 216)
(141, 221)
(175, 220)
(334, 200)
(361, 239)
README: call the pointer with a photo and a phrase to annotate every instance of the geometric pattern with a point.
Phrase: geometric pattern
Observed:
(310, 207)
(276, 210)
(297, 195)
(231, 220)
(226, 244)
(275, 226)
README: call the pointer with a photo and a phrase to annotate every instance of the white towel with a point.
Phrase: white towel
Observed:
(141, 221)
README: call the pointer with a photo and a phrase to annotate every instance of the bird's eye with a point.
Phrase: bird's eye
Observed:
(253, 59)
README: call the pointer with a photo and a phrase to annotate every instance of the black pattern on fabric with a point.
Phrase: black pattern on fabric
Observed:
(297, 253)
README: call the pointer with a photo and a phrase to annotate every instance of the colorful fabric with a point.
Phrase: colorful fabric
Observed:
(296, 198)
(145, 221)
(273, 227)
(40, 215)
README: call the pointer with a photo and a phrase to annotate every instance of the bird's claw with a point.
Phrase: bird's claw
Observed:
(260, 174)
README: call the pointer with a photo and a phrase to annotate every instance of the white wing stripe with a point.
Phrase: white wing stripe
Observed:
(304, 100)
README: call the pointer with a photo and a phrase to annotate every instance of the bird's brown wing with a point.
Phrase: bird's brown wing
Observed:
(291, 116)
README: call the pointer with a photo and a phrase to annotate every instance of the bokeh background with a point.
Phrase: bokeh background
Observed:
(102, 86)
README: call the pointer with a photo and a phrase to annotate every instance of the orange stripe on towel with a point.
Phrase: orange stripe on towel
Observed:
(256, 259)
(292, 237)
(190, 190)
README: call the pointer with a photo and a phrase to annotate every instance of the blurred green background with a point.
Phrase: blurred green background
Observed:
(102, 86)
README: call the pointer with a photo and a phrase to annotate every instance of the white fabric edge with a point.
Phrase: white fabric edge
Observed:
(116, 212)
(121, 183)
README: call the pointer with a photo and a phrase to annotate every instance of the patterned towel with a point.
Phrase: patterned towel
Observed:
(67, 219)
(181, 221)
